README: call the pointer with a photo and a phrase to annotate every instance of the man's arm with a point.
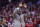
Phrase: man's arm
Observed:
(27, 12)
(14, 13)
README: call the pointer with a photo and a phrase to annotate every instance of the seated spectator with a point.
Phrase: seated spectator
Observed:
(0, 24)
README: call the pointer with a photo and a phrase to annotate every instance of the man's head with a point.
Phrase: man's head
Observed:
(19, 12)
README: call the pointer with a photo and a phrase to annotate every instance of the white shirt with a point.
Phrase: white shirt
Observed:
(17, 20)
(10, 25)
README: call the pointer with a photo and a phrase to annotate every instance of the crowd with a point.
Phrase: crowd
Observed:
(32, 20)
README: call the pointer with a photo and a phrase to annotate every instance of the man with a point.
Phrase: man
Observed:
(18, 17)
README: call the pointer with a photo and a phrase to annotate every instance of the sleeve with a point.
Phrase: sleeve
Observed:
(14, 13)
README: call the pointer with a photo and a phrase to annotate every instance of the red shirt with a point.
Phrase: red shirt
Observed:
(28, 25)
(34, 23)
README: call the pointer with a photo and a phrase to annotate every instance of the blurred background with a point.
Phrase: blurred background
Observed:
(8, 6)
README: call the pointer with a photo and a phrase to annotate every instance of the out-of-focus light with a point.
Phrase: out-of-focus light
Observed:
(25, 5)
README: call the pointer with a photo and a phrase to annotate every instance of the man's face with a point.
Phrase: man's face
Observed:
(19, 12)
